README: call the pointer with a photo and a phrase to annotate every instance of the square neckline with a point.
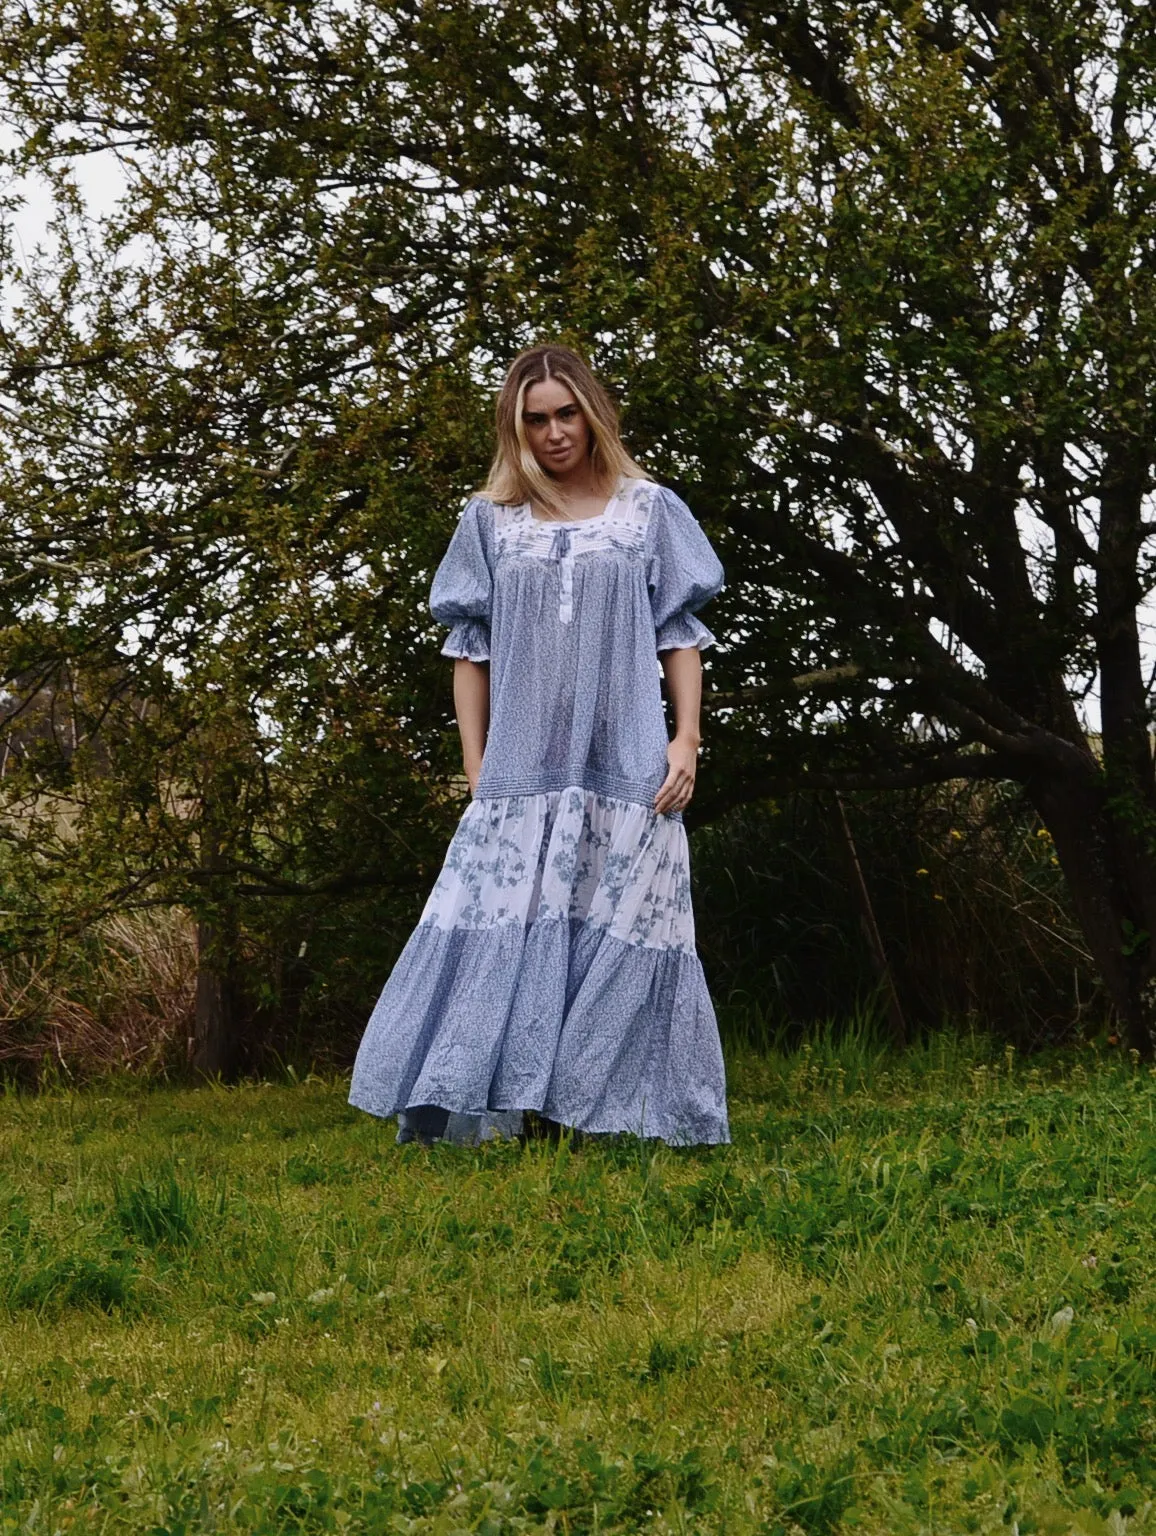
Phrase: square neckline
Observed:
(616, 495)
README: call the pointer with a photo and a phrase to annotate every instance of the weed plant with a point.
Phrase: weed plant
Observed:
(915, 1295)
(116, 997)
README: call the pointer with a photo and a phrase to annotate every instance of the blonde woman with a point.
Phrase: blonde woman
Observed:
(554, 967)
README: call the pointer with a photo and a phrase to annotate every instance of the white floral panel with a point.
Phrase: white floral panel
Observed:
(570, 854)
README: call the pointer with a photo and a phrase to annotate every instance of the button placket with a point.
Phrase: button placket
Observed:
(562, 550)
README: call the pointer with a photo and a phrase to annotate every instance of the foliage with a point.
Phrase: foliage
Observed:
(963, 882)
(872, 274)
(913, 1296)
(966, 889)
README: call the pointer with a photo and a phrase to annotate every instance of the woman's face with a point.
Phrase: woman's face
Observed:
(556, 428)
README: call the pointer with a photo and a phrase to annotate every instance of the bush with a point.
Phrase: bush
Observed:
(970, 902)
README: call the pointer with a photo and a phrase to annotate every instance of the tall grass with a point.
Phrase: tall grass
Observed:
(118, 998)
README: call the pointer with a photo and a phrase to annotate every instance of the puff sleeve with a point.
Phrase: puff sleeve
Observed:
(462, 590)
(682, 571)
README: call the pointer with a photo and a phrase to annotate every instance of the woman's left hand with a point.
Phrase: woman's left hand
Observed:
(678, 786)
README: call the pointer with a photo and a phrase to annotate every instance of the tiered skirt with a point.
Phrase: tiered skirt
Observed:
(553, 969)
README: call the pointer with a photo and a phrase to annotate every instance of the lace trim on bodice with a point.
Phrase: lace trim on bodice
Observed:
(621, 527)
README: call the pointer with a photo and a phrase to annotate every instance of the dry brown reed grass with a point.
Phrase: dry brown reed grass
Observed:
(121, 1003)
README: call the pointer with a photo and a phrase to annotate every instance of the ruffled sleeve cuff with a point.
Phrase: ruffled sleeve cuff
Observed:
(683, 632)
(469, 639)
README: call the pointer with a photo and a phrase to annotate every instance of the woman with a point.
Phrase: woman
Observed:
(554, 966)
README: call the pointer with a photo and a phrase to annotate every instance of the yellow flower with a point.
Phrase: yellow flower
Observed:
(958, 836)
(920, 871)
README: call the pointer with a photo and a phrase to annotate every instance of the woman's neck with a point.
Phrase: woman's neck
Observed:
(580, 497)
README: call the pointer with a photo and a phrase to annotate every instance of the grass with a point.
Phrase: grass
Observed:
(915, 1295)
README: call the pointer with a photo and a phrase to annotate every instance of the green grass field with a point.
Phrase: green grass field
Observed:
(916, 1295)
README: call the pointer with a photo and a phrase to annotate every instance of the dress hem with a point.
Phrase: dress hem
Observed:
(573, 1023)
(718, 1137)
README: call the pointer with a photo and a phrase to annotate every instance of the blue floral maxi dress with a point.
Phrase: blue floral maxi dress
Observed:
(554, 967)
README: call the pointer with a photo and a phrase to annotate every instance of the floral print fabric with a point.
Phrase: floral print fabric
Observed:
(574, 855)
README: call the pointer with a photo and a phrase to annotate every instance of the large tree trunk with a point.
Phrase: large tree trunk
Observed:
(216, 1024)
(1109, 873)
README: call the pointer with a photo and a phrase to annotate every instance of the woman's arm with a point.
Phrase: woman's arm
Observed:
(683, 670)
(472, 707)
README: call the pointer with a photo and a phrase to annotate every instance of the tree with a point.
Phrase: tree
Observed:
(879, 279)
(956, 306)
(217, 537)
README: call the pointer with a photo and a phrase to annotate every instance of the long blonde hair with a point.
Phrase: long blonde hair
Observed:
(515, 475)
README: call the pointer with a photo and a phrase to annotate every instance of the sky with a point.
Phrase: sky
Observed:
(99, 178)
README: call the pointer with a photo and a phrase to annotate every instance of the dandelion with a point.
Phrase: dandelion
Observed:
(956, 837)
(921, 871)
(935, 896)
